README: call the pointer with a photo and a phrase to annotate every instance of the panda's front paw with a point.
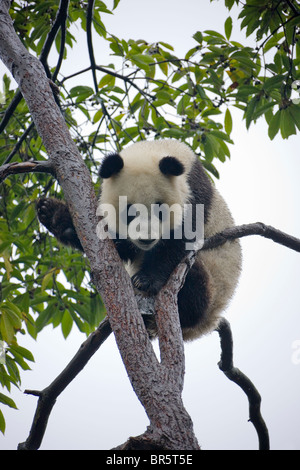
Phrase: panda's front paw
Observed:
(146, 283)
(45, 211)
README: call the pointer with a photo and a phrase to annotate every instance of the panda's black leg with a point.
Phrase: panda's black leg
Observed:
(55, 216)
(193, 298)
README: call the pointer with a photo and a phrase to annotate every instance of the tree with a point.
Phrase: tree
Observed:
(144, 98)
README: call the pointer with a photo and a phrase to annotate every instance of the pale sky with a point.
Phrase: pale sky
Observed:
(99, 410)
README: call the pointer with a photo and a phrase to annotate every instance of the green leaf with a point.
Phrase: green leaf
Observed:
(274, 125)
(287, 124)
(210, 111)
(182, 104)
(174, 133)
(7, 401)
(45, 316)
(10, 321)
(221, 135)
(166, 45)
(228, 27)
(250, 111)
(209, 149)
(66, 323)
(107, 80)
(273, 41)
(100, 27)
(211, 168)
(2, 423)
(273, 82)
(142, 60)
(295, 113)
(13, 371)
(81, 92)
(117, 48)
(229, 4)
(228, 121)
(214, 33)
(198, 37)
(22, 352)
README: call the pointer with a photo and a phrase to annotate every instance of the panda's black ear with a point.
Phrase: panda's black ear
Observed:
(171, 166)
(111, 165)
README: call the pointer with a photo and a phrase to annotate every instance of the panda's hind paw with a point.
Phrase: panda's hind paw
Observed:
(145, 283)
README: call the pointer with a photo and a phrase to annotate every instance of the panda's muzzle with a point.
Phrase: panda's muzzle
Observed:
(147, 242)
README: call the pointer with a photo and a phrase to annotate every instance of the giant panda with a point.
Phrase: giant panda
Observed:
(155, 173)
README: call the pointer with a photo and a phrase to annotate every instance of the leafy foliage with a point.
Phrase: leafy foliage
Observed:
(145, 92)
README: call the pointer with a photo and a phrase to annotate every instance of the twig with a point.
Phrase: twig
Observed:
(10, 110)
(63, 20)
(59, 21)
(235, 375)
(89, 19)
(19, 143)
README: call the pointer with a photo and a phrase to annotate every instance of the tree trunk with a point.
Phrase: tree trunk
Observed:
(157, 385)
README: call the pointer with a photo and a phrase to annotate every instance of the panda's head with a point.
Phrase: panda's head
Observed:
(146, 187)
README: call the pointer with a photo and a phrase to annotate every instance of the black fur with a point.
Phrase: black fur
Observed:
(171, 166)
(55, 216)
(201, 188)
(111, 165)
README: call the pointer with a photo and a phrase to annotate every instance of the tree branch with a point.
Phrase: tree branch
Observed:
(171, 350)
(26, 167)
(172, 358)
(234, 374)
(257, 228)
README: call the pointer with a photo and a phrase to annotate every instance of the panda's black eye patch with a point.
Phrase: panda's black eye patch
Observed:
(171, 166)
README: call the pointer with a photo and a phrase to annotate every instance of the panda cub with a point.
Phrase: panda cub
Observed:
(156, 174)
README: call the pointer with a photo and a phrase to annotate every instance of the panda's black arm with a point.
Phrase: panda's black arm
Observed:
(126, 249)
(55, 216)
(158, 264)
